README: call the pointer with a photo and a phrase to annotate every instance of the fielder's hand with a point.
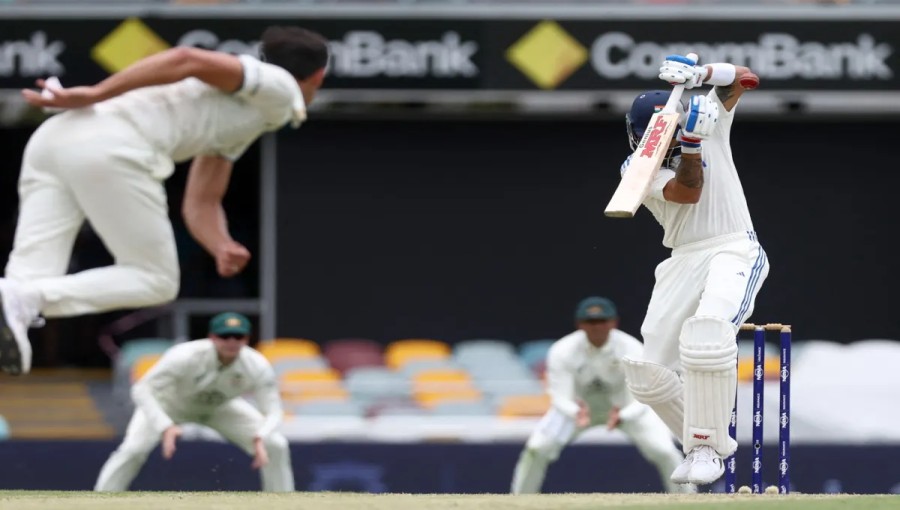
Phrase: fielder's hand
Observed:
(678, 70)
(613, 420)
(261, 458)
(583, 418)
(59, 97)
(231, 258)
(170, 435)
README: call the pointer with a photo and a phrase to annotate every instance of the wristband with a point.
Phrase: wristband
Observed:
(689, 145)
(720, 74)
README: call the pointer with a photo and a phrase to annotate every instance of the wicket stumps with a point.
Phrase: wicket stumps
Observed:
(784, 421)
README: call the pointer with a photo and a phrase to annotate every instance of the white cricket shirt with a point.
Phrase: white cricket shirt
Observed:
(190, 118)
(722, 208)
(188, 382)
(578, 370)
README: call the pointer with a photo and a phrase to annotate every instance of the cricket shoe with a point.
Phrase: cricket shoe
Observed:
(680, 475)
(706, 465)
(18, 312)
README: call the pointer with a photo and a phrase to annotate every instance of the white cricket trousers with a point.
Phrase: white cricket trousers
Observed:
(717, 277)
(555, 431)
(84, 165)
(236, 420)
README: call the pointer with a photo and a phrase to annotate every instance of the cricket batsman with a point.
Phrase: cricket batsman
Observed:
(586, 383)
(202, 382)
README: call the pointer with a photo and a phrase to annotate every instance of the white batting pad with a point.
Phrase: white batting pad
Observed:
(660, 388)
(709, 358)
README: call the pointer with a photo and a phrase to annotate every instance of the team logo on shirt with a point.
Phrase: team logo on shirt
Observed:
(237, 380)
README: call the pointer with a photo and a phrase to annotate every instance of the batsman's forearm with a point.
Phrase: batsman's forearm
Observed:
(207, 224)
(690, 171)
(166, 67)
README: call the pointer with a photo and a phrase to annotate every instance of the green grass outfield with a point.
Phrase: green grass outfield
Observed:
(34, 500)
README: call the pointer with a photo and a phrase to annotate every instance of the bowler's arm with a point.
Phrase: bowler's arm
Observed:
(220, 70)
(202, 209)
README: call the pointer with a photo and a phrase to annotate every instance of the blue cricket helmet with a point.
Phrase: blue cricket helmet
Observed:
(642, 109)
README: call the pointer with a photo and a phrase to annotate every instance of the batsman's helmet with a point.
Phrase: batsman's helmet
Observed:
(642, 109)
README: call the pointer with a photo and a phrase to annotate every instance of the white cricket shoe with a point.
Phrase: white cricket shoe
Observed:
(18, 311)
(706, 465)
(680, 475)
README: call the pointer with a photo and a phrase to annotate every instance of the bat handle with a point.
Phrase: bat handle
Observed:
(677, 90)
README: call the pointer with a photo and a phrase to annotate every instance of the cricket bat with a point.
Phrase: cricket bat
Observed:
(647, 158)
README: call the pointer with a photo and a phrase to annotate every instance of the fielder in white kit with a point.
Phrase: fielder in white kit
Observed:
(586, 384)
(708, 286)
(202, 382)
(105, 158)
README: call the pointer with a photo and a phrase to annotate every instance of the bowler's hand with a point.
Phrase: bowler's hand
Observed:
(231, 258)
(75, 97)
(168, 441)
(613, 420)
(583, 418)
(261, 458)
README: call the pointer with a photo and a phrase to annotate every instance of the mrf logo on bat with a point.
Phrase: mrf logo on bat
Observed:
(651, 139)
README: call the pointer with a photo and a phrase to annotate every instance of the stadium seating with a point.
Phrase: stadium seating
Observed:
(283, 365)
(302, 384)
(523, 406)
(535, 351)
(347, 353)
(326, 408)
(280, 348)
(142, 365)
(400, 352)
(4, 429)
(370, 384)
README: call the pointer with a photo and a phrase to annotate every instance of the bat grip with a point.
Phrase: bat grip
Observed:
(677, 90)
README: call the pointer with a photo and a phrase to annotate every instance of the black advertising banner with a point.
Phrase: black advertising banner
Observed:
(480, 54)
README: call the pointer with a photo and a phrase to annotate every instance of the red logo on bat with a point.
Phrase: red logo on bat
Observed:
(702, 437)
(654, 137)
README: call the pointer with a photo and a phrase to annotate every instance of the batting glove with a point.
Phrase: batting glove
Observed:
(678, 70)
(701, 118)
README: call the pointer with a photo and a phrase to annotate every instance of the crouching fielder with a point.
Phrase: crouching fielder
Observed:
(587, 387)
(201, 382)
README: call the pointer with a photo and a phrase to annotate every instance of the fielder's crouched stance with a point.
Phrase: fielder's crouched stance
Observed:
(202, 382)
(586, 382)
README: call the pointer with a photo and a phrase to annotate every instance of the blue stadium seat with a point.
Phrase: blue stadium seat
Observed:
(372, 383)
(285, 364)
(534, 351)
(327, 408)
(457, 408)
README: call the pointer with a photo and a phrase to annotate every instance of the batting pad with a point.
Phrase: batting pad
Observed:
(709, 358)
(660, 388)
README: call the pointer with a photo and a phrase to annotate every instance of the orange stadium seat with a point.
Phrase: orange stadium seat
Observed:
(400, 352)
(142, 365)
(301, 384)
(443, 384)
(288, 347)
(524, 406)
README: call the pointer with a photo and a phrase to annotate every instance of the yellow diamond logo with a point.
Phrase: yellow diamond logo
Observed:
(547, 54)
(131, 41)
